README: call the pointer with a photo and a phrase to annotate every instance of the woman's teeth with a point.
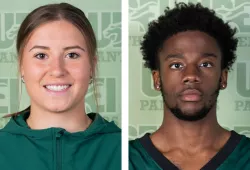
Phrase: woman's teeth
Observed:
(57, 87)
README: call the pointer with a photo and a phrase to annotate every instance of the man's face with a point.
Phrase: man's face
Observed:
(190, 75)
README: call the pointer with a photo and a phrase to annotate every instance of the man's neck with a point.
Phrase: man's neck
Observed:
(190, 136)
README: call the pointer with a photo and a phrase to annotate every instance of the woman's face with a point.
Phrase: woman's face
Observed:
(56, 67)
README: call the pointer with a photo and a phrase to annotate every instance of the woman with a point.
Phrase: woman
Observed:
(57, 59)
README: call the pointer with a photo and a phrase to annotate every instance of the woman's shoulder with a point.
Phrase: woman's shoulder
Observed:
(3, 122)
(6, 138)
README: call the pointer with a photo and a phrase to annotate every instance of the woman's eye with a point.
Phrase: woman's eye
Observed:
(176, 66)
(40, 56)
(206, 64)
(72, 55)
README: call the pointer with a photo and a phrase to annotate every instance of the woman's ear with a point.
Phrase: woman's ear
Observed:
(93, 66)
(20, 67)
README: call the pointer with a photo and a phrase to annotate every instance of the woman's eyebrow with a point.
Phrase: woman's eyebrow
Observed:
(65, 48)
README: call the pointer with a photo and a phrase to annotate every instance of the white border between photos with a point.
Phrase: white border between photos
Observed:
(124, 84)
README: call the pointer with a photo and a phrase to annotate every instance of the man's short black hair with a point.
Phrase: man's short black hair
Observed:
(186, 17)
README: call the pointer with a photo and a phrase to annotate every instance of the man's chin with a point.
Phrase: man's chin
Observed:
(190, 114)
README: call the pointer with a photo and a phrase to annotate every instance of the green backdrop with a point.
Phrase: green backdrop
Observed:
(145, 104)
(106, 21)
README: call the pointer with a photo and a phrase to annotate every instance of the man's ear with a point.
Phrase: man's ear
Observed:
(223, 83)
(156, 79)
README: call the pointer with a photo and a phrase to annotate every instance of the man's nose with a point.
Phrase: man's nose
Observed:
(191, 74)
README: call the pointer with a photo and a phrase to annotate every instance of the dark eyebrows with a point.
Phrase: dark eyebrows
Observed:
(209, 55)
(65, 48)
(169, 56)
(180, 56)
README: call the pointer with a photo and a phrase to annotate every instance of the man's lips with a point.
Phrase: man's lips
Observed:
(191, 95)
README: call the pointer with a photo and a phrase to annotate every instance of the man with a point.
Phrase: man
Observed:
(190, 51)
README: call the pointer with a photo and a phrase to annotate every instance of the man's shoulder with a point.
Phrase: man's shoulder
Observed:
(136, 148)
(133, 142)
(239, 158)
(136, 155)
(242, 151)
(244, 142)
(244, 145)
(139, 158)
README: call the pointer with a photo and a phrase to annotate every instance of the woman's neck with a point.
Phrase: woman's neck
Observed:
(72, 120)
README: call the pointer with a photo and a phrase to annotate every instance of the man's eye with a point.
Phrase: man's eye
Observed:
(72, 55)
(40, 56)
(176, 66)
(206, 64)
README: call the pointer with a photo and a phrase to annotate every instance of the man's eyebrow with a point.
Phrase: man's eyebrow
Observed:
(169, 56)
(65, 48)
(209, 55)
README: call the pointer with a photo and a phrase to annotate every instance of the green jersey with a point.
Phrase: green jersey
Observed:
(235, 155)
(98, 147)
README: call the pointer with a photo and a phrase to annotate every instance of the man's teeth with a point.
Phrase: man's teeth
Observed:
(57, 87)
